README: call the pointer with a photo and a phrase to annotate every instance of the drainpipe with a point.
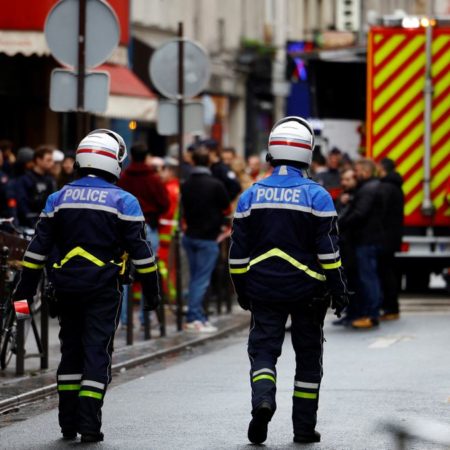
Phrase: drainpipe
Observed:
(427, 205)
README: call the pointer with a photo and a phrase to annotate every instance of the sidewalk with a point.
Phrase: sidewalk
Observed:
(15, 391)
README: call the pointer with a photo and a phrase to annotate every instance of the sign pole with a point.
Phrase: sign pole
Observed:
(81, 66)
(180, 101)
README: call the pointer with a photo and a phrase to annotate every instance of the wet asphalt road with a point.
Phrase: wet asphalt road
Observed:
(400, 371)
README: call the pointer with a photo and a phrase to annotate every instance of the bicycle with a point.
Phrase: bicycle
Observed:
(10, 329)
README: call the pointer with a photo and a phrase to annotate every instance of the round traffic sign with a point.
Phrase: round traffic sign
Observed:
(102, 32)
(164, 69)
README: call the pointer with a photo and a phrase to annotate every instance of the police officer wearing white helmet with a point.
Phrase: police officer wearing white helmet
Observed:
(284, 260)
(87, 229)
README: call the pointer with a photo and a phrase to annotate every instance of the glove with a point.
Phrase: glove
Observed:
(244, 302)
(151, 302)
(339, 303)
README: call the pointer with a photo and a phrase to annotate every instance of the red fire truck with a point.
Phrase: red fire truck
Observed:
(408, 120)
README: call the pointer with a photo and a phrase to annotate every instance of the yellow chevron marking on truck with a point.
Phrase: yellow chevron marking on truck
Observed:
(391, 90)
(414, 203)
(443, 60)
(439, 179)
(388, 48)
(413, 181)
(439, 155)
(399, 60)
(390, 135)
(398, 106)
(411, 160)
(444, 128)
(407, 142)
(438, 43)
(441, 85)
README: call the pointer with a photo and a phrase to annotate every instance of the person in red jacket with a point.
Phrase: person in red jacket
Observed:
(168, 223)
(141, 180)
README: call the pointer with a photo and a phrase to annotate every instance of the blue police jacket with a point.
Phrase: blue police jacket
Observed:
(88, 228)
(285, 240)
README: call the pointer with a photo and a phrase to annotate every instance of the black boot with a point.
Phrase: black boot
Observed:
(69, 435)
(257, 429)
(307, 438)
(92, 437)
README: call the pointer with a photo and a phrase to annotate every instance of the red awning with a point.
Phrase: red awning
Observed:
(129, 97)
(125, 82)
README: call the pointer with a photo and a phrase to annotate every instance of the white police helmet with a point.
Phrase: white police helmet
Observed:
(291, 139)
(102, 149)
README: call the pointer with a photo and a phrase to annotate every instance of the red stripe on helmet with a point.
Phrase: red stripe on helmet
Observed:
(98, 152)
(291, 144)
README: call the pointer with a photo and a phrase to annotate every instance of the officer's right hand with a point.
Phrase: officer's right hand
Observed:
(339, 303)
(151, 302)
(244, 302)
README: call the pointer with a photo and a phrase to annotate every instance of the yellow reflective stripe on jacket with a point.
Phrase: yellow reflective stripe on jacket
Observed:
(290, 260)
(147, 269)
(286, 257)
(331, 265)
(78, 251)
(30, 265)
(241, 270)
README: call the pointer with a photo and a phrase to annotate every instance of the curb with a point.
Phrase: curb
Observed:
(17, 401)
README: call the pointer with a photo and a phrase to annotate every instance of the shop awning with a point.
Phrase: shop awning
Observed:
(129, 97)
(29, 43)
(24, 42)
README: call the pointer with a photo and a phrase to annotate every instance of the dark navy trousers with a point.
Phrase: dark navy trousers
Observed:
(264, 347)
(88, 323)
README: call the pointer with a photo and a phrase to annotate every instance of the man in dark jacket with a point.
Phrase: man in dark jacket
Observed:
(34, 186)
(393, 198)
(347, 247)
(364, 220)
(330, 179)
(205, 204)
(220, 170)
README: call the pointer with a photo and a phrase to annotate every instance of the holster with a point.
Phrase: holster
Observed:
(319, 306)
(126, 275)
(50, 298)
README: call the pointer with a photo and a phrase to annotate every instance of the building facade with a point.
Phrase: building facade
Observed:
(246, 41)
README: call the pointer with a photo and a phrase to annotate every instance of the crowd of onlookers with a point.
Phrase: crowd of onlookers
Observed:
(369, 201)
(211, 182)
(368, 198)
(28, 176)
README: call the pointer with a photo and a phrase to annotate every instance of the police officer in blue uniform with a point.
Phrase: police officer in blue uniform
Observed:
(87, 229)
(284, 258)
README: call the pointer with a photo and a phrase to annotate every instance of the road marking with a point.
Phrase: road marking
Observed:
(387, 341)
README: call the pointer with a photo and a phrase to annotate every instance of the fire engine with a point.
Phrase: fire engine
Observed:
(408, 120)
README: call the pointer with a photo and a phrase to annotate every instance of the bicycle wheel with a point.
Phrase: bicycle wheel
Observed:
(8, 347)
